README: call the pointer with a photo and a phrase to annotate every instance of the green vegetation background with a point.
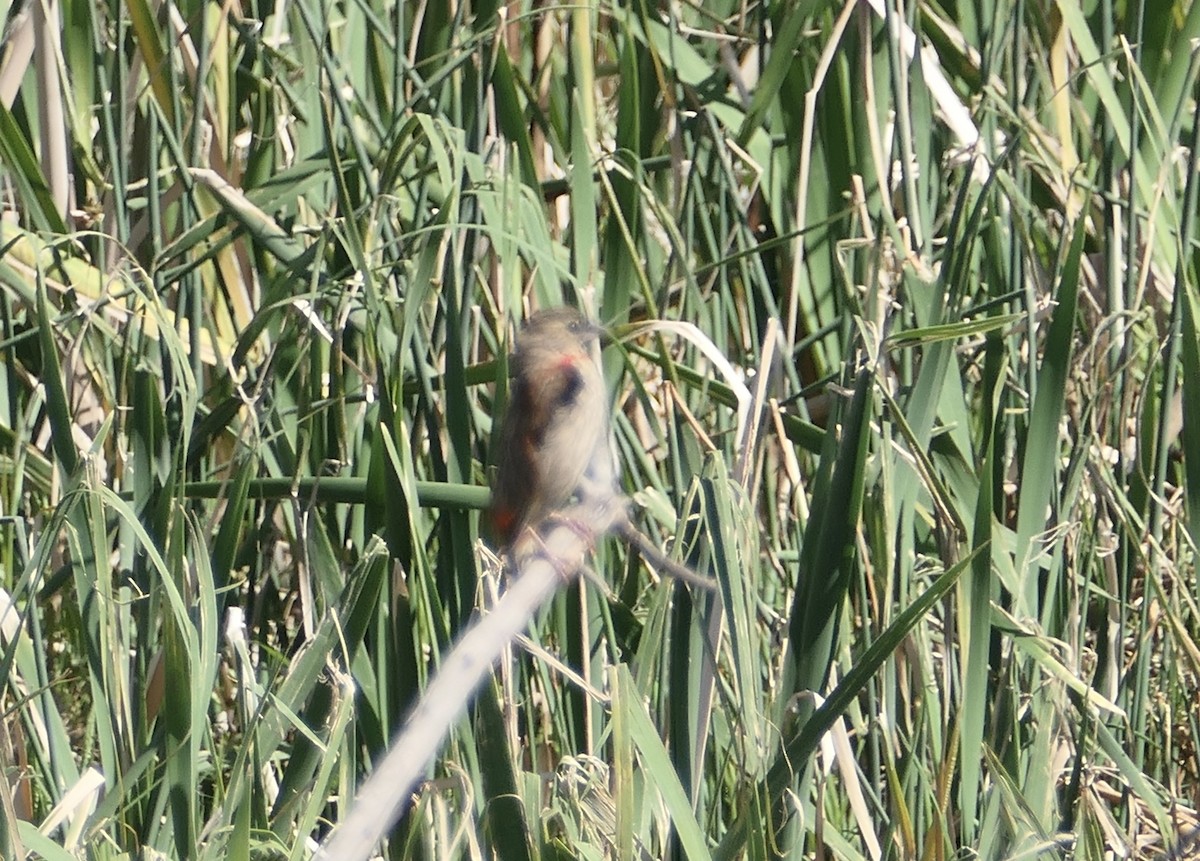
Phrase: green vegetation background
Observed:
(935, 431)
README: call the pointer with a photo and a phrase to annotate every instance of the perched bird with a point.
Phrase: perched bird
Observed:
(553, 444)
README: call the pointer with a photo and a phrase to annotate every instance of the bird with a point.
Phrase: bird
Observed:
(554, 440)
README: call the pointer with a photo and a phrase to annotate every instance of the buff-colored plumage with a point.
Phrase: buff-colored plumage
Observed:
(556, 425)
